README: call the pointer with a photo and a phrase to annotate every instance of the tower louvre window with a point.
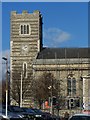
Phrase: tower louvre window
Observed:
(27, 29)
(24, 29)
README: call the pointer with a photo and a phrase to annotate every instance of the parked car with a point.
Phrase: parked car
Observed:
(36, 115)
(17, 111)
(80, 117)
(3, 117)
(45, 115)
(38, 112)
(10, 116)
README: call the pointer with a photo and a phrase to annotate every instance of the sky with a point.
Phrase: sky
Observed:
(65, 24)
(46, 0)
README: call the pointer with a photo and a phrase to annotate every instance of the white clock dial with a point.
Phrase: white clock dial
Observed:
(24, 48)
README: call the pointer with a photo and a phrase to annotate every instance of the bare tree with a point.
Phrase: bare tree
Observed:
(45, 86)
(16, 86)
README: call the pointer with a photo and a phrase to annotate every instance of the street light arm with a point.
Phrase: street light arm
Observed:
(4, 58)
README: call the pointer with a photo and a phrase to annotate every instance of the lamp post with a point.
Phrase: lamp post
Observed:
(21, 92)
(4, 58)
(51, 108)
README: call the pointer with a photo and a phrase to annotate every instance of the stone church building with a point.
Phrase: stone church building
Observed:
(68, 65)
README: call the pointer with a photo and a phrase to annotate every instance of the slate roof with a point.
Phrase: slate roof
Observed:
(62, 53)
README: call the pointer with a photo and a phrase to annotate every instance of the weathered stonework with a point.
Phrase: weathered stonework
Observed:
(18, 40)
(86, 92)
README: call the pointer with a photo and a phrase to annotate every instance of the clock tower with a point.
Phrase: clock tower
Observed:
(26, 42)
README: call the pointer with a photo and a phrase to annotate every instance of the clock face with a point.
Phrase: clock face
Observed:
(24, 48)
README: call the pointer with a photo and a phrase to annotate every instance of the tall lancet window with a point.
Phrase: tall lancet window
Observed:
(71, 86)
(25, 70)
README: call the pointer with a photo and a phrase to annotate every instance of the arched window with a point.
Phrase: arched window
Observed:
(71, 86)
(25, 69)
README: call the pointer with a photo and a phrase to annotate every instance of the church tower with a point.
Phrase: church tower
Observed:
(26, 42)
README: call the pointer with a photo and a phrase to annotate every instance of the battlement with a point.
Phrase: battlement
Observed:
(13, 13)
(25, 12)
